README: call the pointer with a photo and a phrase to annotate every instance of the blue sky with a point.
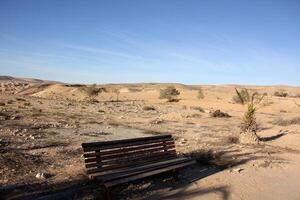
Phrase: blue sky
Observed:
(192, 42)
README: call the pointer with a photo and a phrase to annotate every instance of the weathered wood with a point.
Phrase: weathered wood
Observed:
(147, 174)
(137, 170)
(133, 159)
(129, 149)
(124, 141)
(120, 161)
(129, 154)
(119, 145)
(130, 164)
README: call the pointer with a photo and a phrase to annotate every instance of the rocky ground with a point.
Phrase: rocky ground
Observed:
(42, 126)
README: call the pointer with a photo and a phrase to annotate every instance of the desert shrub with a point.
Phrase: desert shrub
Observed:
(2, 104)
(200, 109)
(10, 102)
(286, 122)
(170, 93)
(249, 119)
(249, 124)
(218, 113)
(203, 156)
(232, 139)
(241, 96)
(20, 99)
(92, 91)
(27, 104)
(147, 108)
(200, 94)
(281, 94)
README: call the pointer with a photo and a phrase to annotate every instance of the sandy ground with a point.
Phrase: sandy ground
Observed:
(42, 126)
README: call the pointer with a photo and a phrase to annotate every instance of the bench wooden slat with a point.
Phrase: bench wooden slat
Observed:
(147, 174)
(124, 141)
(128, 149)
(124, 160)
(130, 164)
(119, 145)
(136, 170)
(129, 154)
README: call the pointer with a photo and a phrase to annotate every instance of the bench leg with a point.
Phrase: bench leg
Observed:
(175, 175)
(108, 193)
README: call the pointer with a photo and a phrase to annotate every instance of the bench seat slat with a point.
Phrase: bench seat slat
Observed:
(110, 175)
(147, 174)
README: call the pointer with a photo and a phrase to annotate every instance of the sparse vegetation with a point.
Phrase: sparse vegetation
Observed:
(170, 93)
(232, 139)
(241, 97)
(200, 109)
(218, 113)
(286, 122)
(148, 108)
(92, 91)
(249, 124)
(281, 94)
(200, 94)
(117, 92)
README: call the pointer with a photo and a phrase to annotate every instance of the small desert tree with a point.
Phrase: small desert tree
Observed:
(117, 92)
(92, 91)
(200, 94)
(242, 96)
(170, 93)
(249, 125)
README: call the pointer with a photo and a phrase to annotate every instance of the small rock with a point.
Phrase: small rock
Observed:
(238, 170)
(42, 175)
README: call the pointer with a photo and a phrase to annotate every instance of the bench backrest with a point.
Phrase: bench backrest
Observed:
(117, 154)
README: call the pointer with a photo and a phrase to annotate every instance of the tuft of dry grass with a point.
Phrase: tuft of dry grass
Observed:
(148, 108)
(286, 122)
(218, 113)
(200, 109)
(232, 139)
(170, 93)
(281, 94)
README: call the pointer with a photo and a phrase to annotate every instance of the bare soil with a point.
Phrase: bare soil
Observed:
(42, 126)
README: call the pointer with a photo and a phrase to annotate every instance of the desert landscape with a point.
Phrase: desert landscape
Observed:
(44, 123)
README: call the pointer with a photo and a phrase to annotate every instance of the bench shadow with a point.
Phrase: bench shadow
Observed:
(273, 137)
(180, 185)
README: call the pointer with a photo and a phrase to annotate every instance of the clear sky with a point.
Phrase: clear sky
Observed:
(186, 41)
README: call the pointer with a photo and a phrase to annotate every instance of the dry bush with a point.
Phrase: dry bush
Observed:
(200, 109)
(241, 96)
(232, 139)
(286, 122)
(2, 104)
(170, 93)
(92, 91)
(218, 113)
(206, 157)
(281, 94)
(200, 94)
(148, 108)
(20, 99)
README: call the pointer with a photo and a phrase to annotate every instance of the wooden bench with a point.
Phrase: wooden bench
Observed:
(120, 161)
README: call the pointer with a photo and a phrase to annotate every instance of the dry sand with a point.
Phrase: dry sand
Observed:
(42, 125)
